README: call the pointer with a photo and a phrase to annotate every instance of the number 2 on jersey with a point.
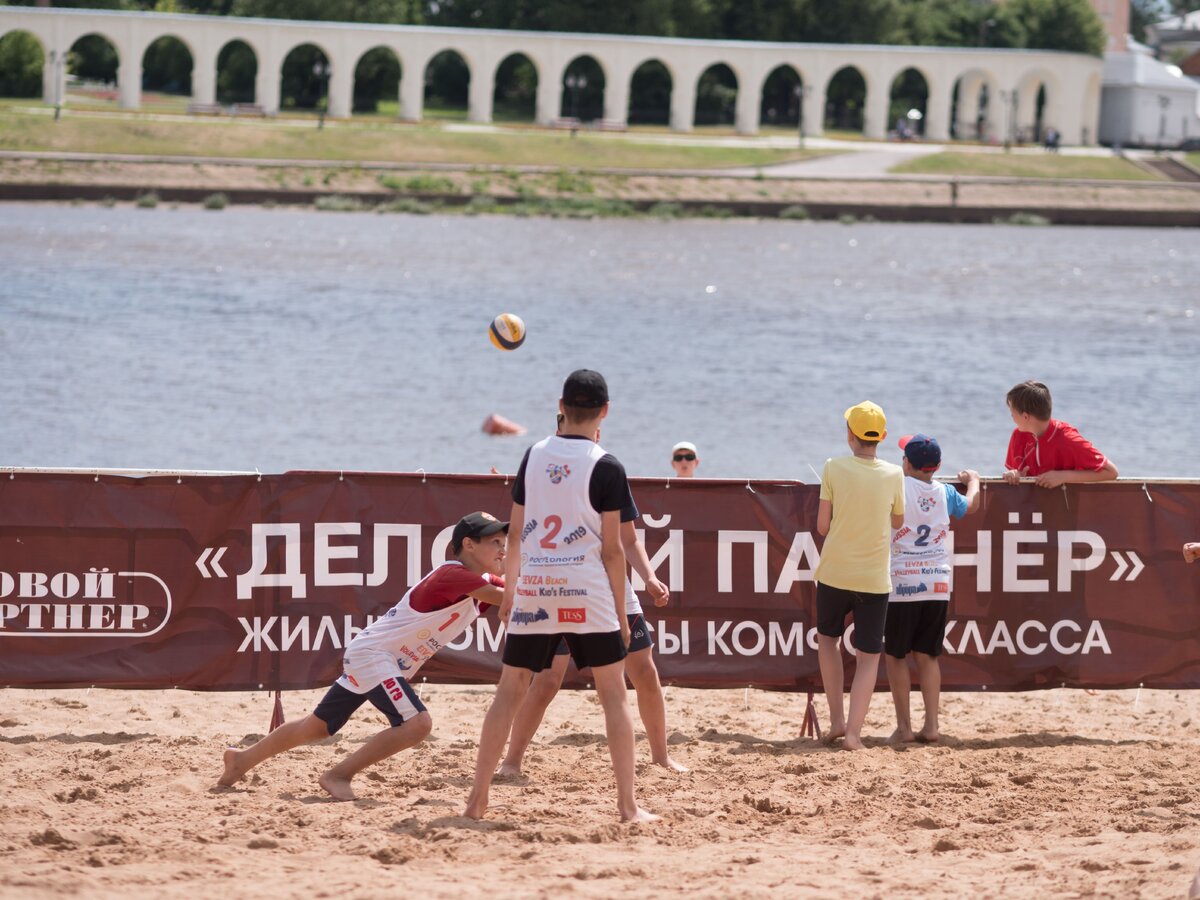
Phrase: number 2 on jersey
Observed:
(922, 536)
(553, 527)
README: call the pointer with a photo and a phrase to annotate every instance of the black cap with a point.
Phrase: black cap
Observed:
(475, 525)
(585, 389)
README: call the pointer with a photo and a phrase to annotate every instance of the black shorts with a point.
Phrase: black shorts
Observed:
(536, 651)
(870, 612)
(395, 698)
(640, 637)
(918, 626)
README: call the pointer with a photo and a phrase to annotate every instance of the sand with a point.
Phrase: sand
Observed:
(1063, 793)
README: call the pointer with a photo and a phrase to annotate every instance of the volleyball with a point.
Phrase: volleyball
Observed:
(507, 331)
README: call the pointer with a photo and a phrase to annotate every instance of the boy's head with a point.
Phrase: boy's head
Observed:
(866, 425)
(1029, 404)
(685, 459)
(584, 398)
(922, 455)
(478, 542)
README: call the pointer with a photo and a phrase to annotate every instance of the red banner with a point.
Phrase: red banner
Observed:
(240, 582)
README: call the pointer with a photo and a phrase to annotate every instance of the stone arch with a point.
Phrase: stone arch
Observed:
(1038, 97)
(304, 77)
(168, 62)
(716, 95)
(515, 87)
(237, 72)
(908, 102)
(780, 97)
(377, 74)
(583, 101)
(94, 61)
(447, 80)
(22, 60)
(650, 88)
(846, 95)
(975, 107)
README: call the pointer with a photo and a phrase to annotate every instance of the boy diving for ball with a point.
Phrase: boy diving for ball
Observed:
(383, 657)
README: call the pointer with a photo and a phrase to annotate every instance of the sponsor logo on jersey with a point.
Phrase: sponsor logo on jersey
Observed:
(520, 617)
(941, 587)
(926, 503)
(423, 634)
(557, 473)
(908, 589)
(576, 615)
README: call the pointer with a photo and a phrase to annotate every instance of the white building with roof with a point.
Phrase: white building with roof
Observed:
(1145, 102)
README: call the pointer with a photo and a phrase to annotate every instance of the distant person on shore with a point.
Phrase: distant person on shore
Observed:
(921, 571)
(862, 501)
(685, 459)
(1048, 449)
(565, 576)
(382, 658)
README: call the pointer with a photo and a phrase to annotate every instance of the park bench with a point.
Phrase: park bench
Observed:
(204, 109)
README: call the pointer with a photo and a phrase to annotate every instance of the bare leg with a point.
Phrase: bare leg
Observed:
(639, 666)
(285, 737)
(930, 674)
(866, 671)
(833, 677)
(542, 690)
(901, 684)
(388, 742)
(610, 687)
(496, 725)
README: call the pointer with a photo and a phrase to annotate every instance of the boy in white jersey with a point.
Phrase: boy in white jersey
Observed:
(921, 571)
(639, 663)
(565, 576)
(381, 659)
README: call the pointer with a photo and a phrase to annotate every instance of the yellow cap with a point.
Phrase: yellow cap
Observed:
(867, 421)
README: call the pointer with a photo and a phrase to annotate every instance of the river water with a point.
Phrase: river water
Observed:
(284, 339)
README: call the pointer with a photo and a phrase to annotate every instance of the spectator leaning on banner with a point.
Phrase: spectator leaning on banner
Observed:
(1049, 449)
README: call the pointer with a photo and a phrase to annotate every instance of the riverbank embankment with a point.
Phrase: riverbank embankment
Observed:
(557, 191)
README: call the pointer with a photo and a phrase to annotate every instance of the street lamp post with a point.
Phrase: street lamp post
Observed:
(321, 70)
(575, 83)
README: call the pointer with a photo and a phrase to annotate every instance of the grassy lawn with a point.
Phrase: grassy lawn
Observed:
(1194, 160)
(1011, 165)
(366, 138)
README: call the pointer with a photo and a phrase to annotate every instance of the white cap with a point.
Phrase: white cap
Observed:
(684, 445)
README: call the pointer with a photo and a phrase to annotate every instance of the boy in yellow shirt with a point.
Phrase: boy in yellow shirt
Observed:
(862, 501)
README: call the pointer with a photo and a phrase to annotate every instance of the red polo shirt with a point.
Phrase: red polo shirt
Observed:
(1060, 447)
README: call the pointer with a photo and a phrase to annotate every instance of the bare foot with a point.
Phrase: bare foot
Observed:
(476, 807)
(902, 736)
(337, 788)
(833, 734)
(640, 815)
(928, 737)
(852, 742)
(508, 770)
(673, 766)
(233, 771)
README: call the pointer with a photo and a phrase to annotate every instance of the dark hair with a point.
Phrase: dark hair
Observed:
(1031, 397)
(559, 419)
(577, 415)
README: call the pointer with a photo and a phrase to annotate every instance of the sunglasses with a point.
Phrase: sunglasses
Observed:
(680, 457)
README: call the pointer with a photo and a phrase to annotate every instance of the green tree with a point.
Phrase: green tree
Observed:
(1061, 25)
(21, 60)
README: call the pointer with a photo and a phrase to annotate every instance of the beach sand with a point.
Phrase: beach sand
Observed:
(111, 793)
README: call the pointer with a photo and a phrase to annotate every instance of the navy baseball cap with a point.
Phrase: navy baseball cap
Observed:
(921, 451)
(475, 526)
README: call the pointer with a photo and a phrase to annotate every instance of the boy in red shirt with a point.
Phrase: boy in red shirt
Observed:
(1048, 449)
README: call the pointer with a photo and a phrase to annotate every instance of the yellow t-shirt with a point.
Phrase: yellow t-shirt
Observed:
(857, 552)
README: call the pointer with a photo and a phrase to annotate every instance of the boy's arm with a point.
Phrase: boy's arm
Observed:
(613, 558)
(636, 554)
(970, 478)
(898, 502)
(1191, 552)
(489, 594)
(824, 517)
(1059, 477)
(512, 560)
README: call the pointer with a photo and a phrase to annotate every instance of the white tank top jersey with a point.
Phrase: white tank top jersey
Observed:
(405, 637)
(920, 550)
(563, 586)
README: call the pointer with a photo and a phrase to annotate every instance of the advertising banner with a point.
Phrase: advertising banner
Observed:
(258, 582)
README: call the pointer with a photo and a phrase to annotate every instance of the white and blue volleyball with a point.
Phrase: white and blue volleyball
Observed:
(507, 331)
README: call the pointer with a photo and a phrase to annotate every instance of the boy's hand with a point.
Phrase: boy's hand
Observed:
(1014, 476)
(625, 631)
(506, 606)
(658, 592)
(966, 476)
(1191, 552)
(1052, 479)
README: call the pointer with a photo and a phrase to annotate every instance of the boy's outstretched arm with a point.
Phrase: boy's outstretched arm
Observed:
(635, 553)
(512, 560)
(1059, 477)
(824, 516)
(970, 478)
